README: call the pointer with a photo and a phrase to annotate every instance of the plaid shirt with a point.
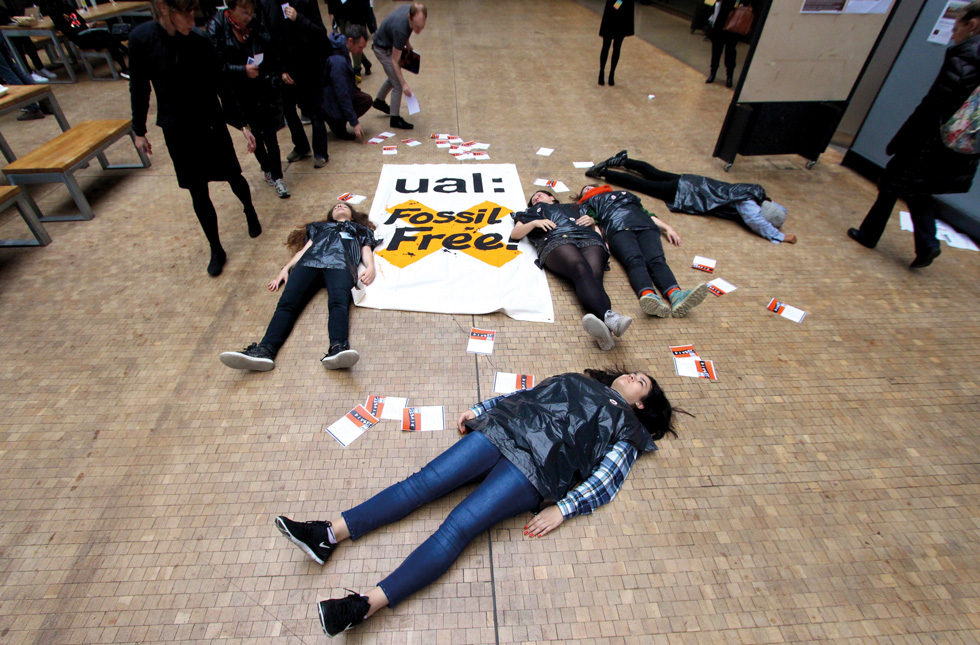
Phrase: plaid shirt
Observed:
(601, 487)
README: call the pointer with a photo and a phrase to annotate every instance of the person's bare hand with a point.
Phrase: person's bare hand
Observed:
(249, 140)
(366, 275)
(279, 281)
(287, 79)
(463, 418)
(252, 71)
(672, 236)
(790, 238)
(359, 132)
(545, 224)
(143, 145)
(406, 90)
(585, 220)
(290, 13)
(544, 522)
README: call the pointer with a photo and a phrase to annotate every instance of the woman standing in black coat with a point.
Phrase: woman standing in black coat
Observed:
(723, 40)
(617, 24)
(922, 165)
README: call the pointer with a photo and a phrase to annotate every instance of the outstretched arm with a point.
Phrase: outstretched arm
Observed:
(280, 280)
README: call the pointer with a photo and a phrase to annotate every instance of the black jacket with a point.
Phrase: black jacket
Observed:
(557, 433)
(339, 84)
(356, 12)
(698, 195)
(302, 43)
(922, 163)
(255, 100)
(618, 210)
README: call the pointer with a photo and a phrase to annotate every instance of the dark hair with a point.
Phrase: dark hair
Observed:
(182, 6)
(232, 4)
(584, 186)
(657, 413)
(546, 192)
(356, 32)
(417, 7)
(970, 11)
(297, 237)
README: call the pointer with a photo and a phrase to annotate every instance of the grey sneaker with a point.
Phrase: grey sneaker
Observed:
(320, 162)
(653, 305)
(296, 155)
(311, 537)
(598, 330)
(255, 357)
(681, 302)
(617, 323)
(281, 189)
(340, 614)
(340, 357)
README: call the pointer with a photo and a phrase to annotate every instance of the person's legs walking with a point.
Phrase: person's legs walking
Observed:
(391, 85)
(617, 45)
(717, 44)
(873, 225)
(923, 212)
(603, 56)
(206, 215)
(240, 187)
(301, 144)
(731, 40)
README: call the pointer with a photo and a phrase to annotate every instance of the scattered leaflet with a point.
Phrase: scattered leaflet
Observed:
(704, 264)
(786, 311)
(389, 150)
(411, 143)
(442, 144)
(352, 425)
(481, 341)
(582, 164)
(412, 103)
(480, 155)
(375, 140)
(650, 97)
(944, 232)
(480, 146)
(559, 186)
(386, 407)
(351, 198)
(545, 152)
(688, 363)
(456, 141)
(386, 135)
(440, 137)
(720, 286)
(505, 382)
(426, 418)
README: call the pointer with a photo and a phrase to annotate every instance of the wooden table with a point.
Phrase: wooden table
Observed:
(18, 96)
(44, 27)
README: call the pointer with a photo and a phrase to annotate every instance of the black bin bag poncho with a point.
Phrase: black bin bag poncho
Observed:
(557, 433)
(337, 245)
(697, 195)
(618, 211)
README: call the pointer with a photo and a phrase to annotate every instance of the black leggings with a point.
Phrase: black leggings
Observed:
(617, 44)
(302, 285)
(651, 180)
(642, 255)
(584, 269)
(267, 151)
(206, 215)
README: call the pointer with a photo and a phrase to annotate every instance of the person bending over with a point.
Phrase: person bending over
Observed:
(573, 250)
(698, 195)
(633, 234)
(334, 253)
(390, 40)
(573, 438)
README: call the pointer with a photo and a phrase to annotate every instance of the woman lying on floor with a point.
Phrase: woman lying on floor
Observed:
(526, 450)
(698, 195)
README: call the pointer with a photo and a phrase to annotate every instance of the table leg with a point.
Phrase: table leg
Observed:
(58, 114)
(5, 149)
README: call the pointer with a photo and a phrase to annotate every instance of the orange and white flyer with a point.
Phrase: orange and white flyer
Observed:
(505, 382)
(702, 263)
(389, 150)
(351, 198)
(481, 341)
(683, 350)
(786, 311)
(411, 143)
(352, 425)
(720, 286)
(695, 367)
(386, 407)
(441, 137)
(426, 418)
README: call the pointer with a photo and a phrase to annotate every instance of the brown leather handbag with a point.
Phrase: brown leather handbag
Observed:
(740, 20)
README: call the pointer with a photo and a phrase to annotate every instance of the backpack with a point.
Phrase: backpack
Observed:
(962, 132)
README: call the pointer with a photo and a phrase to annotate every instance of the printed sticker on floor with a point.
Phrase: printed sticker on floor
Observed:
(426, 418)
(505, 382)
(720, 286)
(481, 341)
(786, 311)
(352, 425)
(386, 407)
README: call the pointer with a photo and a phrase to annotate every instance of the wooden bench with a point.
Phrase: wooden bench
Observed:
(58, 159)
(14, 196)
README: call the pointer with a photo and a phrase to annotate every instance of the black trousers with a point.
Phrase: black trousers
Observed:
(302, 285)
(723, 40)
(645, 178)
(642, 255)
(306, 97)
(922, 209)
(267, 151)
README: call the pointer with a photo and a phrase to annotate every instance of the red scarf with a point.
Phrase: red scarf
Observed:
(592, 192)
(242, 32)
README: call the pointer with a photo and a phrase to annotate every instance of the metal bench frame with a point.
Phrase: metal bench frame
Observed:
(32, 217)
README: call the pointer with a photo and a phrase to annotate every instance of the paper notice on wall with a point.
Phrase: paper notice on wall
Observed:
(386, 407)
(505, 382)
(942, 32)
(786, 311)
(352, 425)
(481, 341)
(867, 6)
(426, 418)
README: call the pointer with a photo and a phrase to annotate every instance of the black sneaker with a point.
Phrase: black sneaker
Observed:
(617, 159)
(595, 172)
(311, 537)
(340, 614)
(255, 357)
(378, 104)
(217, 263)
(340, 357)
(400, 123)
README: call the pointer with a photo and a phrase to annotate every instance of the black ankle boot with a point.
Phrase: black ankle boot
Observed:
(602, 78)
(612, 79)
(217, 263)
(711, 76)
(728, 78)
(398, 122)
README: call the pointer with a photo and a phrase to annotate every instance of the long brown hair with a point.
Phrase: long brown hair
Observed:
(297, 237)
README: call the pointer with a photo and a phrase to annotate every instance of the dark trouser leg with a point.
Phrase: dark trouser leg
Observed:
(626, 247)
(874, 222)
(730, 43)
(617, 45)
(303, 283)
(664, 190)
(293, 122)
(267, 152)
(923, 212)
(649, 171)
(717, 45)
(653, 256)
(206, 215)
(568, 262)
(319, 133)
(603, 57)
(339, 283)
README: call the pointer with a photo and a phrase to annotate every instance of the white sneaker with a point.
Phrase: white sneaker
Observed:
(48, 73)
(598, 330)
(617, 323)
(37, 78)
(281, 189)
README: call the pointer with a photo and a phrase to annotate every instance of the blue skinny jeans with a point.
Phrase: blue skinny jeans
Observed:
(503, 493)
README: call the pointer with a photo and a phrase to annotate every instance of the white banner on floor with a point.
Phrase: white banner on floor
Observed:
(445, 231)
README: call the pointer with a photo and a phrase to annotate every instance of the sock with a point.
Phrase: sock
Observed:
(671, 291)
(331, 538)
(648, 292)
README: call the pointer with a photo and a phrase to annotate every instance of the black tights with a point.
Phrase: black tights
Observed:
(647, 179)
(617, 43)
(208, 218)
(584, 269)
